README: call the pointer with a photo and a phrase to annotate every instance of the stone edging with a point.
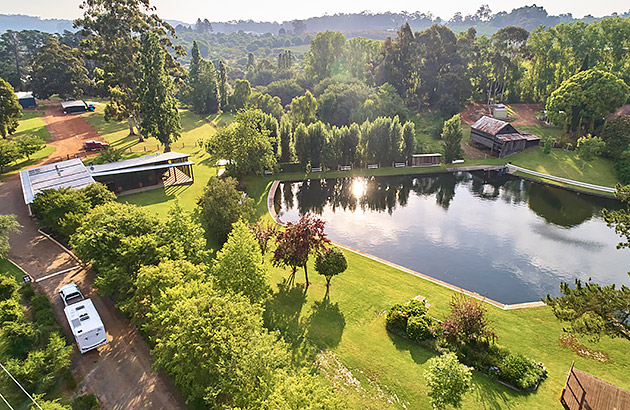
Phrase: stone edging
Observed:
(276, 218)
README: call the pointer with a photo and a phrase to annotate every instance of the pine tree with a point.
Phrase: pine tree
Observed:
(160, 117)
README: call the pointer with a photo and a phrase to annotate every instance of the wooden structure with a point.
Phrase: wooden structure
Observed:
(585, 392)
(425, 160)
(501, 137)
(169, 168)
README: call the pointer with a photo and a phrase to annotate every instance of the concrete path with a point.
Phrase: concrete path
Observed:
(514, 168)
(120, 373)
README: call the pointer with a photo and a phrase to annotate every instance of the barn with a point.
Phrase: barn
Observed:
(585, 392)
(501, 137)
(26, 99)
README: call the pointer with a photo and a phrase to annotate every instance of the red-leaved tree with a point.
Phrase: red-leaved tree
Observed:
(298, 241)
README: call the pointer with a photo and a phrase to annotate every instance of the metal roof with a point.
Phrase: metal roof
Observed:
(65, 174)
(492, 126)
(425, 155)
(83, 317)
(139, 169)
(24, 94)
(137, 162)
(75, 103)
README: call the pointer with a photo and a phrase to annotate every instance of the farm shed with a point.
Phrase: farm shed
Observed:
(26, 99)
(76, 106)
(501, 137)
(425, 160)
(585, 392)
(500, 111)
(168, 169)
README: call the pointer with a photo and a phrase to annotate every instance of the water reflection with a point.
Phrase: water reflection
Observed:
(498, 235)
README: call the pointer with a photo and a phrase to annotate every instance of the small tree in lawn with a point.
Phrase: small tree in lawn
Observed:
(588, 148)
(452, 138)
(448, 380)
(467, 321)
(330, 263)
(263, 233)
(298, 241)
(548, 146)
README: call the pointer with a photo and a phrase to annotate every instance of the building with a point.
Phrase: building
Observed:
(585, 392)
(500, 111)
(167, 169)
(425, 160)
(158, 170)
(76, 106)
(501, 137)
(26, 99)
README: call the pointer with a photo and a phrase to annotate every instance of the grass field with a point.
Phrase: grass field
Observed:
(6, 266)
(31, 123)
(352, 326)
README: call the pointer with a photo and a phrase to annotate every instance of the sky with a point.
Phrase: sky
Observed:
(280, 10)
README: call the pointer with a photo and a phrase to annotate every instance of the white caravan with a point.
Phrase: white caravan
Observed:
(86, 324)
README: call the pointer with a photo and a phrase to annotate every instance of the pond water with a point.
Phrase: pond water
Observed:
(503, 237)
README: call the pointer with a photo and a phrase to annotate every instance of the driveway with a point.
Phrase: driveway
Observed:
(120, 373)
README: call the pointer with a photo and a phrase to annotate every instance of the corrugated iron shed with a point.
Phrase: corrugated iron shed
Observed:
(65, 174)
(492, 126)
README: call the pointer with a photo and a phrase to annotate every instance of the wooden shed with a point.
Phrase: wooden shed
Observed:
(425, 160)
(501, 137)
(585, 392)
(26, 99)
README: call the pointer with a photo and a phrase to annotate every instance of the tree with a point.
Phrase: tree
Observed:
(8, 224)
(616, 134)
(448, 380)
(58, 69)
(238, 267)
(222, 85)
(302, 391)
(28, 145)
(409, 140)
(548, 145)
(246, 144)
(467, 321)
(158, 107)
(238, 99)
(113, 30)
(325, 54)
(202, 93)
(330, 263)
(304, 109)
(8, 153)
(263, 233)
(222, 205)
(184, 236)
(588, 148)
(298, 241)
(585, 98)
(10, 109)
(593, 310)
(214, 347)
(620, 219)
(287, 142)
(452, 138)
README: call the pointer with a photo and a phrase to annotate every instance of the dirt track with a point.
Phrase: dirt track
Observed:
(120, 373)
(68, 132)
(525, 114)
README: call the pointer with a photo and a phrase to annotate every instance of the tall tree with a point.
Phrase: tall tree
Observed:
(325, 54)
(10, 109)
(452, 139)
(58, 69)
(238, 267)
(448, 380)
(298, 241)
(409, 140)
(304, 109)
(588, 148)
(222, 85)
(238, 99)
(287, 143)
(112, 30)
(8, 224)
(158, 107)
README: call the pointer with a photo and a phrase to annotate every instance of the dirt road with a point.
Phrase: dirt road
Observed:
(68, 132)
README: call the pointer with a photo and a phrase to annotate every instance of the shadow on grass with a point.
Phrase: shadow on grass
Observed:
(325, 325)
(418, 353)
(491, 395)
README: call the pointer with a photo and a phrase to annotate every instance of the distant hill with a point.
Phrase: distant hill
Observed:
(19, 22)
(377, 25)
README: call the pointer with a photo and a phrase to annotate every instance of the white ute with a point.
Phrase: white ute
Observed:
(86, 324)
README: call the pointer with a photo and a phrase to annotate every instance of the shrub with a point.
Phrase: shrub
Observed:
(622, 168)
(520, 371)
(86, 402)
(398, 315)
(8, 288)
(420, 328)
(548, 145)
(10, 311)
(19, 338)
(27, 291)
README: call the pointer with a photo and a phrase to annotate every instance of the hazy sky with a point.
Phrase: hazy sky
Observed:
(279, 10)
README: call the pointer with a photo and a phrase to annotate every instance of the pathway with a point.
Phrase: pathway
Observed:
(514, 168)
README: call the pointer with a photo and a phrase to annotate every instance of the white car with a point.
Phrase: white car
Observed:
(70, 294)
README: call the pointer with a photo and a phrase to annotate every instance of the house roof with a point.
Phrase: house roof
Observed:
(623, 110)
(137, 162)
(585, 392)
(140, 169)
(24, 94)
(65, 174)
(492, 126)
(75, 103)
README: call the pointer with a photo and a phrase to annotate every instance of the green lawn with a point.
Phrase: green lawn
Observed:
(6, 266)
(352, 327)
(428, 129)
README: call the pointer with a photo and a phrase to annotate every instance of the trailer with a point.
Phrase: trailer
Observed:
(86, 324)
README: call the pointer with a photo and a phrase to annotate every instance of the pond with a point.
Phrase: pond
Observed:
(509, 239)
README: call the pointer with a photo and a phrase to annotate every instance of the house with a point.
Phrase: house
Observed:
(501, 137)
(585, 392)
(26, 99)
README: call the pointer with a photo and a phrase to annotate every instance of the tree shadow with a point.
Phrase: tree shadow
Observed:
(325, 325)
(283, 310)
(489, 394)
(419, 354)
